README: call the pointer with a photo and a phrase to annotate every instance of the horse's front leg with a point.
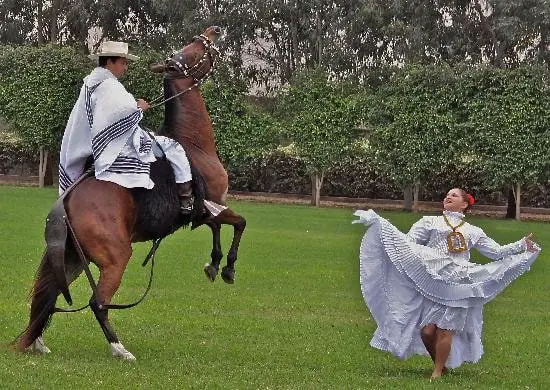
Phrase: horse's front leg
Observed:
(229, 217)
(211, 269)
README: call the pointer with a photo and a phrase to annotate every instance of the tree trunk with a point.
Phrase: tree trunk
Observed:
(408, 198)
(319, 38)
(316, 183)
(488, 26)
(40, 22)
(48, 173)
(416, 196)
(518, 201)
(294, 62)
(42, 166)
(511, 206)
(53, 21)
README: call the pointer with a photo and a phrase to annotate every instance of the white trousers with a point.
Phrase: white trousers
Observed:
(132, 166)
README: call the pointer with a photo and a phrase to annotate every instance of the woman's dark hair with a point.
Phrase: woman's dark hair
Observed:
(102, 61)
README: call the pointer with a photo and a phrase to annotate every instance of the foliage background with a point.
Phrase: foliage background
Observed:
(440, 88)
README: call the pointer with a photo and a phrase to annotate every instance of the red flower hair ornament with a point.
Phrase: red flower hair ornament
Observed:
(471, 199)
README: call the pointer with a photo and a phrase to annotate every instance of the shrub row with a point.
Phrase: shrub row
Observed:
(15, 159)
(353, 176)
(358, 177)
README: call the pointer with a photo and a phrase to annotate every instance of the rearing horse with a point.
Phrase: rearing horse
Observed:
(106, 218)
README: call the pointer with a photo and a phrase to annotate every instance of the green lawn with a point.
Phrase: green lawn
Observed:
(294, 319)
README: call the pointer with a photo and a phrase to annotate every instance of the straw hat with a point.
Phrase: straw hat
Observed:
(113, 49)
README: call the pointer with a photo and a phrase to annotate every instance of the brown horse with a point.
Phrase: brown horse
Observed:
(106, 218)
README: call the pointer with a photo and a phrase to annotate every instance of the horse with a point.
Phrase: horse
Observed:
(104, 219)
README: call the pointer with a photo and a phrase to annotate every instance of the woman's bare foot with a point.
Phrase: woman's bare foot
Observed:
(437, 374)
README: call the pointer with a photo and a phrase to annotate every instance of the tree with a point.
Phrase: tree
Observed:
(242, 130)
(37, 97)
(414, 125)
(273, 40)
(141, 82)
(510, 119)
(17, 21)
(499, 32)
(319, 118)
(153, 23)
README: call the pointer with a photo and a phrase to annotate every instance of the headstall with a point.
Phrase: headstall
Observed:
(175, 67)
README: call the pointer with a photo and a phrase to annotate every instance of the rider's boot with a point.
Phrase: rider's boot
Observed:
(185, 194)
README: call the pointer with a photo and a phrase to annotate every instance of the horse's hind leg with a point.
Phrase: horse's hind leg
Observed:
(110, 277)
(229, 217)
(211, 270)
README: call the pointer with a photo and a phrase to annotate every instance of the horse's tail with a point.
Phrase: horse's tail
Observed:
(43, 298)
(51, 277)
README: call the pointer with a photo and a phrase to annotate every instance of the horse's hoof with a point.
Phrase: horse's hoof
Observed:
(118, 350)
(228, 275)
(210, 271)
(38, 346)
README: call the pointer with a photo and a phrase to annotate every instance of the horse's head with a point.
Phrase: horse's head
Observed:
(195, 61)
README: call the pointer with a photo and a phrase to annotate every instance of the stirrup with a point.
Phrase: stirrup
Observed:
(186, 204)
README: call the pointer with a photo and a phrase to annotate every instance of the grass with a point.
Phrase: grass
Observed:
(294, 319)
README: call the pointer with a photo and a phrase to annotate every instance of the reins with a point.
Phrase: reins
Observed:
(173, 96)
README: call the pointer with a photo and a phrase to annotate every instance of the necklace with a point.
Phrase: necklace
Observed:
(455, 240)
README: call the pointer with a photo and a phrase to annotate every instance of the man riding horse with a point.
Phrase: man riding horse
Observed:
(98, 220)
(104, 123)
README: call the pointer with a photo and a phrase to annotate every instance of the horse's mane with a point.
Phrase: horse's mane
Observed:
(169, 109)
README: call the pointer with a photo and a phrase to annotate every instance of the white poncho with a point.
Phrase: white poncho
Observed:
(104, 123)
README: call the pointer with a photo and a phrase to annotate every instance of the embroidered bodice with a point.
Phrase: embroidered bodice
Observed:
(432, 231)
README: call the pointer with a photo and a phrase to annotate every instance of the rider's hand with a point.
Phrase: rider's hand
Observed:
(143, 105)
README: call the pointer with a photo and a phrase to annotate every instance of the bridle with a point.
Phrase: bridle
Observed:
(175, 67)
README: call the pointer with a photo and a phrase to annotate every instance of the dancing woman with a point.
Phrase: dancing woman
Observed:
(421, 288)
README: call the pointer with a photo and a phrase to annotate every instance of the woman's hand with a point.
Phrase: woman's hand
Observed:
(530, 244)
(143, 105)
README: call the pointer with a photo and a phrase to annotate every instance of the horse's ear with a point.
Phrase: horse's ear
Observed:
(159, 68)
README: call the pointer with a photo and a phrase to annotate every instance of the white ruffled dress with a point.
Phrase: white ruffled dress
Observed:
(411, 280)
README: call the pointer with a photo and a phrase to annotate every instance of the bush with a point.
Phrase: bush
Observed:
(15, 158)
(358, 176)
(275, 172)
